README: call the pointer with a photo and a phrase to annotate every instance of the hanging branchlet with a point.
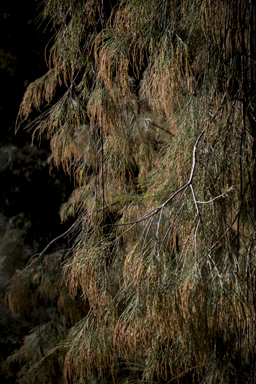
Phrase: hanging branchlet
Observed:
(156, 123)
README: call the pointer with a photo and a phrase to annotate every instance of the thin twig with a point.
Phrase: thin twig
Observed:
(210, 201)
(158, 126)
(39, 255)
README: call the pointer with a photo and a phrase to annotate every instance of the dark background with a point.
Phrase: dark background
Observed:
(26, 185)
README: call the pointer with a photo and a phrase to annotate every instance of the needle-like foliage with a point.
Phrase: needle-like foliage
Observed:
(157, 124)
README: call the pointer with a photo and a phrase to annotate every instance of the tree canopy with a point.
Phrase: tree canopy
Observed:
(150, 106)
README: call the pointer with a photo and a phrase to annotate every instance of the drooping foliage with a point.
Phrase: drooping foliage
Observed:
(157, 124)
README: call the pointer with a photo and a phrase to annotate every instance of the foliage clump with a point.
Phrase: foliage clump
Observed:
(157, 125)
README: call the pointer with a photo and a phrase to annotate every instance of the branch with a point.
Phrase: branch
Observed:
(210, 201)
(39, 255)
(156, 210)
(158, 126)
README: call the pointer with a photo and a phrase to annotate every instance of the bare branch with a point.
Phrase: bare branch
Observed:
(210, 201)
(156, 210)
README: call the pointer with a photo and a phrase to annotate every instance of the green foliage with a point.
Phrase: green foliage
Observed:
(157, 126)
(33, 355)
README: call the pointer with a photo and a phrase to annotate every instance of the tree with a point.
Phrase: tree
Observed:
(157, 125)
